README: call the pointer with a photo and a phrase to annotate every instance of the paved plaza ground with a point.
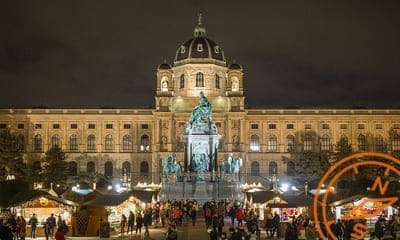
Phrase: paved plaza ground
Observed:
(186, 231)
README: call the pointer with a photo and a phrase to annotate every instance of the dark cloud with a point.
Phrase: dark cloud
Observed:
(105, 53)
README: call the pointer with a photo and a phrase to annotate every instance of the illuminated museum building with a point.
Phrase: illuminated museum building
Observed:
(109, 140)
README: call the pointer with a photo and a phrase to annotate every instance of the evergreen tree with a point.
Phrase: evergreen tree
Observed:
(55, 168)
(312, 165)
(11, 155)
(343, 149)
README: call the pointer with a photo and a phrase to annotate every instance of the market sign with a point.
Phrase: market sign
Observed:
(386, 166)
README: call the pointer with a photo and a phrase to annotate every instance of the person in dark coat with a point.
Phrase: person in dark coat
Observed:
(139, 223)
(379, 228)
(131, 221)
(147, 221)
(291, 232)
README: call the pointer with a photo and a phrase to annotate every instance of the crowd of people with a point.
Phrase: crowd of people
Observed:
(15, 227)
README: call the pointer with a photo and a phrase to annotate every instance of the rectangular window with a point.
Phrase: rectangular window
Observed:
(307, 126)
(325, 126)
(56, 126)
(343, 126)
(3, 125)
(379, 126)
(92, 126)
(145, 126)
(254, 126)
(218, 124)
(38, 126)
(272, 126)
(74, 126)
(21, 126)
(396, 126)
(127, 126)
(289, 126)
(109, 126)
(361, 126)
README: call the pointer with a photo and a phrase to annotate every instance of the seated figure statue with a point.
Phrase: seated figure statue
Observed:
(202, 112)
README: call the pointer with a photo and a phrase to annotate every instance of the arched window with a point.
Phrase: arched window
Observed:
(235, 84)
(217, 81)
(272, 144)
(199, 79)
(72, 169)
(325, 143)
(255, 169)
(144, 169)
(90, 167)
(396, 142)
(127, 143)
(21, 142)
(108, 169)
(37, 166)
(308, 143)
(345, 139)
(55, 141)
(73, 142)
(164, 85)
(290, 144)
(126, 168)
(109, 143)
(91, 143)
(272, 168)
(182, 81)
(144, 143)
(235, 143)
(290, 168)
(254, 143)
(379, 145)
(362, 142)
(37, 143)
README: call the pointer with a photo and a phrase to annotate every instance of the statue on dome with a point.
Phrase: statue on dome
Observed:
(202, 112)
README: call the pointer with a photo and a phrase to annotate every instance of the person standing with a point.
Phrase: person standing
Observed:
(339, 229)
(47, 230)
(131, 221)
(122, 224)
(232, 215)
(139, 223)
(163, 215)
(60, 234)
(52, 222)
(22, 228)
(276, 221)
(240, 216)
(147, 221)
(193, 214)
(33, 223)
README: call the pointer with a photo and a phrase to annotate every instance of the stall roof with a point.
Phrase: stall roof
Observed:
(144, 196)
(107, 199)
(39, 194)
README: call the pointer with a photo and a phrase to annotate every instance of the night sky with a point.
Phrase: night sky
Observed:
(72, 54)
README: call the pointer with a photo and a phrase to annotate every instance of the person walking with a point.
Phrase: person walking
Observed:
(240, 216)
(276, 221)
(33, 221)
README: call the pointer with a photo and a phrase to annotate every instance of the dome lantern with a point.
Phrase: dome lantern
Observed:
(200, 30)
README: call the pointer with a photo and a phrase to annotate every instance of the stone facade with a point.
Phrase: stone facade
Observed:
(109, 140)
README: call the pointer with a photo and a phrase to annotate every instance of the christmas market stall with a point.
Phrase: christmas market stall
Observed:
(43, 206)
(108, 207)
